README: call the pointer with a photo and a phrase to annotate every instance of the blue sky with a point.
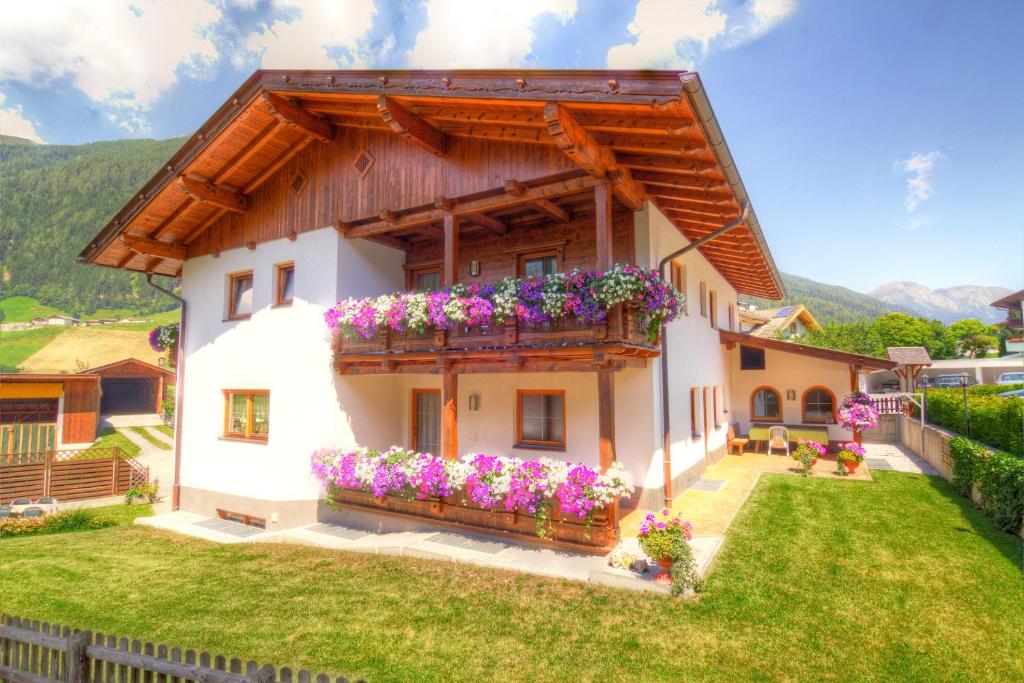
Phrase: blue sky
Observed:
(879, 141)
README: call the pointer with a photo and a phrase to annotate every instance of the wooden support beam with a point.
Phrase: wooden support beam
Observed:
(515, 188)
(412, 128)
(546, 206)
(669, 164)
(450, 270)
(294, 116)
(148, 247)
(473, 206)
(201, 228)
(220, 197)
(603, 225)
(450, 416)
(598, 161)
(650, 144)
(165, 224)
(606, 432)
(247, 152)
(151, 264)
(485, 221)
(283, 159)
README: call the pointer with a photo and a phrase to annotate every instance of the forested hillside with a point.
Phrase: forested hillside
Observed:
(55, 199)
(828, 303)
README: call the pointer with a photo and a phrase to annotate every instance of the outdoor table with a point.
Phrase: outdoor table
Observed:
(815, 433)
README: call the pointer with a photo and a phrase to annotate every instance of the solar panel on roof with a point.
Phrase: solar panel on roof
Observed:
(784, 312)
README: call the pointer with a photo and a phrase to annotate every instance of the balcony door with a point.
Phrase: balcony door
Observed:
(426, 421)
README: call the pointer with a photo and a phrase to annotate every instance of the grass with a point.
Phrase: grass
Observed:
(17, 346)
(165, 430)
(152, 320)
(148, 436)
(78, 520)
(819, 579)
(93, 347)
(108, 437)
(21, 309)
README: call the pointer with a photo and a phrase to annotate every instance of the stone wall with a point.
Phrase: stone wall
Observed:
(887, 431)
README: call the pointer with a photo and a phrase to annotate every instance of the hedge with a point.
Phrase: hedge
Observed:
(60, 522)
(999, 477)
(996, 421)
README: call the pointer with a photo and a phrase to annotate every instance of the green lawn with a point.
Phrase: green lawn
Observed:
(897, 579)
(153, 320)
(165, 430)
(109, 436)
(21, 309)
(155, 440)
(18, 345)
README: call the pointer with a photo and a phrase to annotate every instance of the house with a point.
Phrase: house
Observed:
(1013, 304)
(43, 412)
(132, 386)
(307, 188)
(911, 361)
(57, 321)
(773, 323)
(982, 370)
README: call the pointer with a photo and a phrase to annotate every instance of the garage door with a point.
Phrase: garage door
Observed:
(127, 395)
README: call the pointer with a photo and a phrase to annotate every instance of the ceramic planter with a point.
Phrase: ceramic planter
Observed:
(665, 574)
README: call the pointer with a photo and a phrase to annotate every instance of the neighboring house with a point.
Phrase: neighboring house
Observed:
(1014, 306)
(58, 321)
(787, 322)
(983, 370)
(132, 386)
(43, 412)
(911, 362)
(309, 187)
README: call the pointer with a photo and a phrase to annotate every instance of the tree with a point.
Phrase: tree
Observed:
(855, 337)
(973, 337)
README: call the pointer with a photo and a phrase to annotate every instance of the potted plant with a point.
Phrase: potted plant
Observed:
(851, 455)
(807, 454)
(856, 413)
(667, 541)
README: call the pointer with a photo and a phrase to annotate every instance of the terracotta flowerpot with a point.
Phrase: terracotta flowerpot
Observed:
(664, 576)
(851, 465)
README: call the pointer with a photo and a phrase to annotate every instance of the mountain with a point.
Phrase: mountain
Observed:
(828, 303)
(55, 199)
(948, 304)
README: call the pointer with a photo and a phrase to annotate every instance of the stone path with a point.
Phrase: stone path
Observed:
(159, 462)
(887, 456)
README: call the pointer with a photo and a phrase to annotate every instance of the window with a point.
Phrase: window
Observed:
(239, 518)
(284, 289)
(540, 419)
(716, 407)
(246, 414)
(679, 282)
(704, 299)
(240, 295)
(22, 410)
(713, 308)
(539, 263)
(819, 405)
(426, 280)
(751, 358)
(694, 412)
(766, 404)
(426, 421)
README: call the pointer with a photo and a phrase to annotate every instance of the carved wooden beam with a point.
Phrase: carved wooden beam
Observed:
(293, 115)
(387, 240)
(412, 128)
(662, 162)
(485, 221)
(598, 161)
(165, 224)
(548, 207)
(143, 245)
(220, 197)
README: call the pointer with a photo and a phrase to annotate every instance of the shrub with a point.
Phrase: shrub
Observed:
(57, 523)
(670, 538)
(999, 477)
(996, 421)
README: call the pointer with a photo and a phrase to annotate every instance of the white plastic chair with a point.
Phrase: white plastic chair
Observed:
(778, 437)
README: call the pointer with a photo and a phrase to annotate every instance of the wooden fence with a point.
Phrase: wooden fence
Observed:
(95, 472)
(34, 652)
(892, 405)
(27, 437)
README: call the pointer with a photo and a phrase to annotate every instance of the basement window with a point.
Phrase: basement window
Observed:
(239, 518)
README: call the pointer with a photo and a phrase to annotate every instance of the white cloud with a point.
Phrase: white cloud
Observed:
(13, 122)
(122, 54)
(917, 222)
(319, 35)
(669, 34)
(477, 34)
(918, 169)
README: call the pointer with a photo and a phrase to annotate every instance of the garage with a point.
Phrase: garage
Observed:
(132, 386)
(127, 395)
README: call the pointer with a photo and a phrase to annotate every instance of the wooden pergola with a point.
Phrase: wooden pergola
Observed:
(910, 361)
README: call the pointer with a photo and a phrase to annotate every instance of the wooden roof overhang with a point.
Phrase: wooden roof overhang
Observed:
(1009, 301)
(730, 339)
(130, 367)
(650, 134)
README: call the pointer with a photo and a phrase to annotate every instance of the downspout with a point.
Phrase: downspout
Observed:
(666, 436)
(179, 391)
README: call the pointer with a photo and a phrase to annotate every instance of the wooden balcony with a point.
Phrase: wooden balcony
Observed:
(562, 345)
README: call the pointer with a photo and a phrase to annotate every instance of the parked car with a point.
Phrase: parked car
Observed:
(891, 386)
(953, 381)
(1011, 378)
(1016, 393)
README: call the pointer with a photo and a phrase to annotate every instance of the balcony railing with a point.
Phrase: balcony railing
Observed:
(624, 325)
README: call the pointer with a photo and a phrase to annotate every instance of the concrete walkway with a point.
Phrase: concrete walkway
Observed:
(888, 456)
(369, 533)
(160, 462)
(125, 421)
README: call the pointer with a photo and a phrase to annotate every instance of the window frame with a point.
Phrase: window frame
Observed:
(29, 410)
(716, 404)
(732, 318)
(547, 445)
(678, 277)
(231, 279)
(414, 435)
(817, 420)
(414, 270)
(523, 257)
(703, 299)
(694, 413)
(279, 270)
(713, 308)
(248, 436)
(760, 418)
(764, 358)
(247, 520)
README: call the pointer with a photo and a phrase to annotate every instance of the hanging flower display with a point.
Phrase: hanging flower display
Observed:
(856, 412)
(583, 295)
(165, 338)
